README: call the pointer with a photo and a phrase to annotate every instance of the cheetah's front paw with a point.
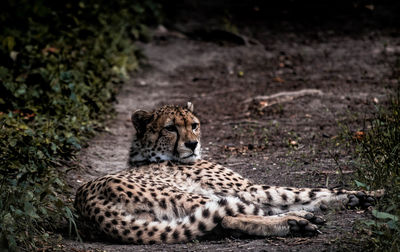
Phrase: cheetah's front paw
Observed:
(362, 199)
(302, 227)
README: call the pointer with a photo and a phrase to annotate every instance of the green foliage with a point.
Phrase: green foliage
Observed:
(379, 153)
(60, 65)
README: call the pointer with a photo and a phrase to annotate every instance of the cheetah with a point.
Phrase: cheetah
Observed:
(170, 195)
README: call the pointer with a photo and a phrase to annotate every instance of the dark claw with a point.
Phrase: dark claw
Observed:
(292, 223)
(351, 205)
(318, 221)
(310, 228)
(353, 202)
(314, 219)
(303, 223)
(323, 207)
(366, 205)
(354, 199)
(309, 216)
(295, 229)
(360, 194)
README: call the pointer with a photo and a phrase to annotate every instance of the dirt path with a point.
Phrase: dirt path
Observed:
(289, 144)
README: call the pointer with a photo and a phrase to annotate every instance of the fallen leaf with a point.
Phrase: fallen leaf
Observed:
(278, 79)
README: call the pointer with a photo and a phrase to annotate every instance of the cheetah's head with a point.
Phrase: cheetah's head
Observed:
(167, 133)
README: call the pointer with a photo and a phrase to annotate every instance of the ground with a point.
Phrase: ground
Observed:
(292, 143)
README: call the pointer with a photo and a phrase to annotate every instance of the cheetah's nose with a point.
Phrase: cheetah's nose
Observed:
(191, 145)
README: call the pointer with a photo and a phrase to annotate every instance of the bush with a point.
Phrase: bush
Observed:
(60, 65)
(379, 154)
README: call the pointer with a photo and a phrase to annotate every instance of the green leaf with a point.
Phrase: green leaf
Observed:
(30, 210)
(73, 97)
(40, 154)
(383, 215)
(58, 182)
(370, 223)
(361, 185)
(392, 224)
(12, 142)
(53, 147)
(29, 132)
(8, 220)
(43, 210)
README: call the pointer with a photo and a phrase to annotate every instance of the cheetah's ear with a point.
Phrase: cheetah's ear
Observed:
(190, 106)
(140, 119)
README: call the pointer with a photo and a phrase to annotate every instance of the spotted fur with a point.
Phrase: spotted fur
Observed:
(170, 195)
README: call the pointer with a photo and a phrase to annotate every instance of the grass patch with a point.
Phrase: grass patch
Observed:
(378, 152)
(61, 63)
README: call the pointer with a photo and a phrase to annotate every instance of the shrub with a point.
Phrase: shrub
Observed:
(379, 154)
(60, 65)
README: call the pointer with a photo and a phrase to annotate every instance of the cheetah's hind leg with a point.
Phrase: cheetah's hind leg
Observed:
(277, 225)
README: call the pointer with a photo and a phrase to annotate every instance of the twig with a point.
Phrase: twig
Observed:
(281, 97)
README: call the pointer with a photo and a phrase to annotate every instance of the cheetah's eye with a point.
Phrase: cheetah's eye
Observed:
(170, 128)
(194, 126)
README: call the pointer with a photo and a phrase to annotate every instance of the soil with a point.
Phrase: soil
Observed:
(292, 143)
